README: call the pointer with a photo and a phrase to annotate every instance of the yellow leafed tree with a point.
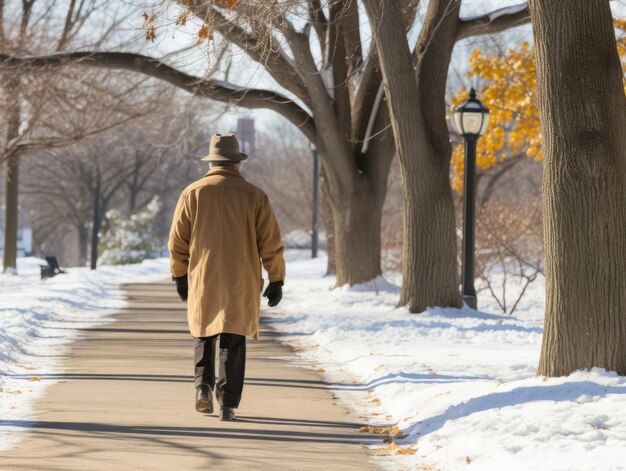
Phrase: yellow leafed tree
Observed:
(510, 94)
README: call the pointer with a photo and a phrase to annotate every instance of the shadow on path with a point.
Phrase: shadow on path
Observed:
(197, 432)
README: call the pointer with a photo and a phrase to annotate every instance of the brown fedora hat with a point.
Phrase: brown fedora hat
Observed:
(224, 148)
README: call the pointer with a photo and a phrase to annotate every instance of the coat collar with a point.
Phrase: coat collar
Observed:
(224, 170)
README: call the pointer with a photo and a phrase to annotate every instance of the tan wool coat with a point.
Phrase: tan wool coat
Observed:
(223, 228)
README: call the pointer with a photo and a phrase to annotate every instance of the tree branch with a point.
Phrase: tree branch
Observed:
(352, 37)
(365, 96)
(494, 22)
(319, 21)
(208, 88)
(336, 58)
(260, 46)
(371, 79)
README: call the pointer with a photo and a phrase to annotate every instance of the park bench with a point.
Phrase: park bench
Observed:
(51, 269)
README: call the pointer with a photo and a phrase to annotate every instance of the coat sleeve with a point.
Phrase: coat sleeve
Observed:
(180, 234)
(269, 243)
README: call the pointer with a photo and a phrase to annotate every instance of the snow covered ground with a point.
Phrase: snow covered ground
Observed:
(449, 389)
(39, 320)
(459, 385)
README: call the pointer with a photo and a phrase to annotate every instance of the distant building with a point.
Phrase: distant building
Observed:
(245, 135)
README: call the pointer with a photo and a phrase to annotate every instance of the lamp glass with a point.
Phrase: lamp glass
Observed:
(472, 122)
(471, 117)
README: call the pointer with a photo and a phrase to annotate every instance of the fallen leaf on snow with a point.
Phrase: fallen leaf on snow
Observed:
(391, 431)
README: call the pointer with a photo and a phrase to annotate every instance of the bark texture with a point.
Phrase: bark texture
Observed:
(357, 235)
(329, 225)
(583, 118)
(418, 120)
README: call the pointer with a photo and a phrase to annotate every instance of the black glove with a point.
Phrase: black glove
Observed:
(273, 293)
(181, 286)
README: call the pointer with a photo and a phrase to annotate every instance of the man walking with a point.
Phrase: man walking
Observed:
(223, 228)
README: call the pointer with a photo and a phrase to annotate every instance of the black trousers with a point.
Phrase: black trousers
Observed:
(232, 366)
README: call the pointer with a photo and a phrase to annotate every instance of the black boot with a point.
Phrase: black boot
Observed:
(227, 414)
(204, 399)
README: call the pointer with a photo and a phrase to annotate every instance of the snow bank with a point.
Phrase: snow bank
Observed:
(39, 319)
(459, 384)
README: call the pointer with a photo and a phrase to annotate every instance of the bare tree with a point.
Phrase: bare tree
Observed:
(583, 117)
(34, 27)
(151, 155)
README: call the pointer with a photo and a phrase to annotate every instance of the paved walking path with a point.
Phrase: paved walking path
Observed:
(126, 402)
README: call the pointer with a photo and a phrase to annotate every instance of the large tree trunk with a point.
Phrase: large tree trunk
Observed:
(583, 118)
(329, 225)
(356, 197)
(429, 241)
(430, 266)
(357, 218)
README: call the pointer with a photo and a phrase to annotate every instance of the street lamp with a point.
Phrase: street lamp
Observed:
(316, 177)
(470, 119)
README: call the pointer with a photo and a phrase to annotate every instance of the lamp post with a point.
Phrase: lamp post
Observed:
(470, 119)
(316, 177)
(96, 223)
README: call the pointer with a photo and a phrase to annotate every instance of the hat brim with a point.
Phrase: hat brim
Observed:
(225, 158)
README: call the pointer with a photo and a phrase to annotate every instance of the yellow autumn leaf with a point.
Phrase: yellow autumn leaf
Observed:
(204, 33)
(181, 20)
(392, 431)
(151, 33)
(148, 19)
(228, 4)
